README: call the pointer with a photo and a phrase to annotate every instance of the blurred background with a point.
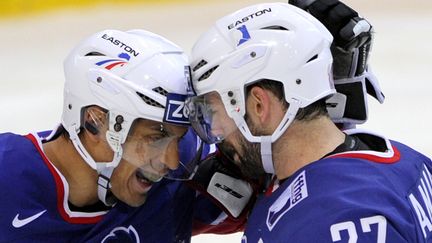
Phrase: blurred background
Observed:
(36, 35)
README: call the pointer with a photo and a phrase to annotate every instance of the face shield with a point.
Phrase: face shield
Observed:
(163, 150)
(208, 117)
(152, 148)
(191, 150)
(156, 149)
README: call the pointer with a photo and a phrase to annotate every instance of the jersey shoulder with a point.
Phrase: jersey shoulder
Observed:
(29, 190)
(18, 156)
(347, 194)
(322, 209)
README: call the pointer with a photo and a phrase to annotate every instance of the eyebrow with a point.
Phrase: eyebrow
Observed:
(167, 129)
(156, 127)
(170, 131)
(184, 134)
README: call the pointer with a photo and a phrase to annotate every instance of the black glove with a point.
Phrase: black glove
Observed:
(221, 180)
(351, 47)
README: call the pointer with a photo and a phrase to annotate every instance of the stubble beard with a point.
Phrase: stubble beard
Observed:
(248, 158)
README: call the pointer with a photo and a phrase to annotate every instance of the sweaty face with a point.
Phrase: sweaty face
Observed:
(219, 126)
(209, 119)
(149, 152)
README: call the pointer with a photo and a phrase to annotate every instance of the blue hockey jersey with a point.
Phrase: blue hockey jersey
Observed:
(356, 196)
(34, 205)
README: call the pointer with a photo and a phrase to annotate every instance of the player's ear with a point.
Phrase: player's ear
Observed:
(94, 120)
(258, 105)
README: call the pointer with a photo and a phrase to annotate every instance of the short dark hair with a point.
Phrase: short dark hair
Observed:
(63, 132)
(312, 111)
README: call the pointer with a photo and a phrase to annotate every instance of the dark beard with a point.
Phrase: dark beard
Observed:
(248, 158)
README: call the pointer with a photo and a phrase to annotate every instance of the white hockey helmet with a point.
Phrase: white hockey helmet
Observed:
(133, 74)
(270, 41)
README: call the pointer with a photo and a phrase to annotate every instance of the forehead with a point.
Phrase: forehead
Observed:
(213, 98)
(146, 126)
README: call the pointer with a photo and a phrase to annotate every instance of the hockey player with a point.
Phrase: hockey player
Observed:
(123, 128)
(262, 83)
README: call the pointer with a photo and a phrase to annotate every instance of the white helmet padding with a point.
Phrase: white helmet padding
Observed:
(273, 41)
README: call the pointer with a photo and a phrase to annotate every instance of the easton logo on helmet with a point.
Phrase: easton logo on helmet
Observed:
(245, 34)
(120, 44)
(247, 18)
(111, 63)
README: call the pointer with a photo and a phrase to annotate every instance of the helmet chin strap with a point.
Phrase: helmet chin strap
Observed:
(104, 169)
(267, 141)
(104, 187)
(266, 154)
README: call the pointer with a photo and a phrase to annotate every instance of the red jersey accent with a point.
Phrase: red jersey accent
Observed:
(371, 157)
(60, 190)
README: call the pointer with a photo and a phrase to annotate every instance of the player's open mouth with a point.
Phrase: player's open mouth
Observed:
(146, 179)
(143, 183)
(141, 178)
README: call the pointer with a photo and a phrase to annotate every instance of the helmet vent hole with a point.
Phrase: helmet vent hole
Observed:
(199, 65)
(160, 91)
(149, 101)
(274, 27)
(208, 73)
(94, 53)
(312, 58)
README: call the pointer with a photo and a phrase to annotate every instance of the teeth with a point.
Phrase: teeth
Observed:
(142, 178)
(150, 178)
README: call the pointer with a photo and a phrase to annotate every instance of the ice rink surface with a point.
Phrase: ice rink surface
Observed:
(32, 50)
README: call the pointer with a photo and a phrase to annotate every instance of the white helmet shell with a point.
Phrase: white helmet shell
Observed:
(274, 41)
(127, 73)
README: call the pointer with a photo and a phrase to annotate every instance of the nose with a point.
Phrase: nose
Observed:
(170, 156)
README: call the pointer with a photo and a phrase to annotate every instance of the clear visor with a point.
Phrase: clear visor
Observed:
(169, 151)
(158, 149)
(191, 152)
(209, 118)
(154, 154)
